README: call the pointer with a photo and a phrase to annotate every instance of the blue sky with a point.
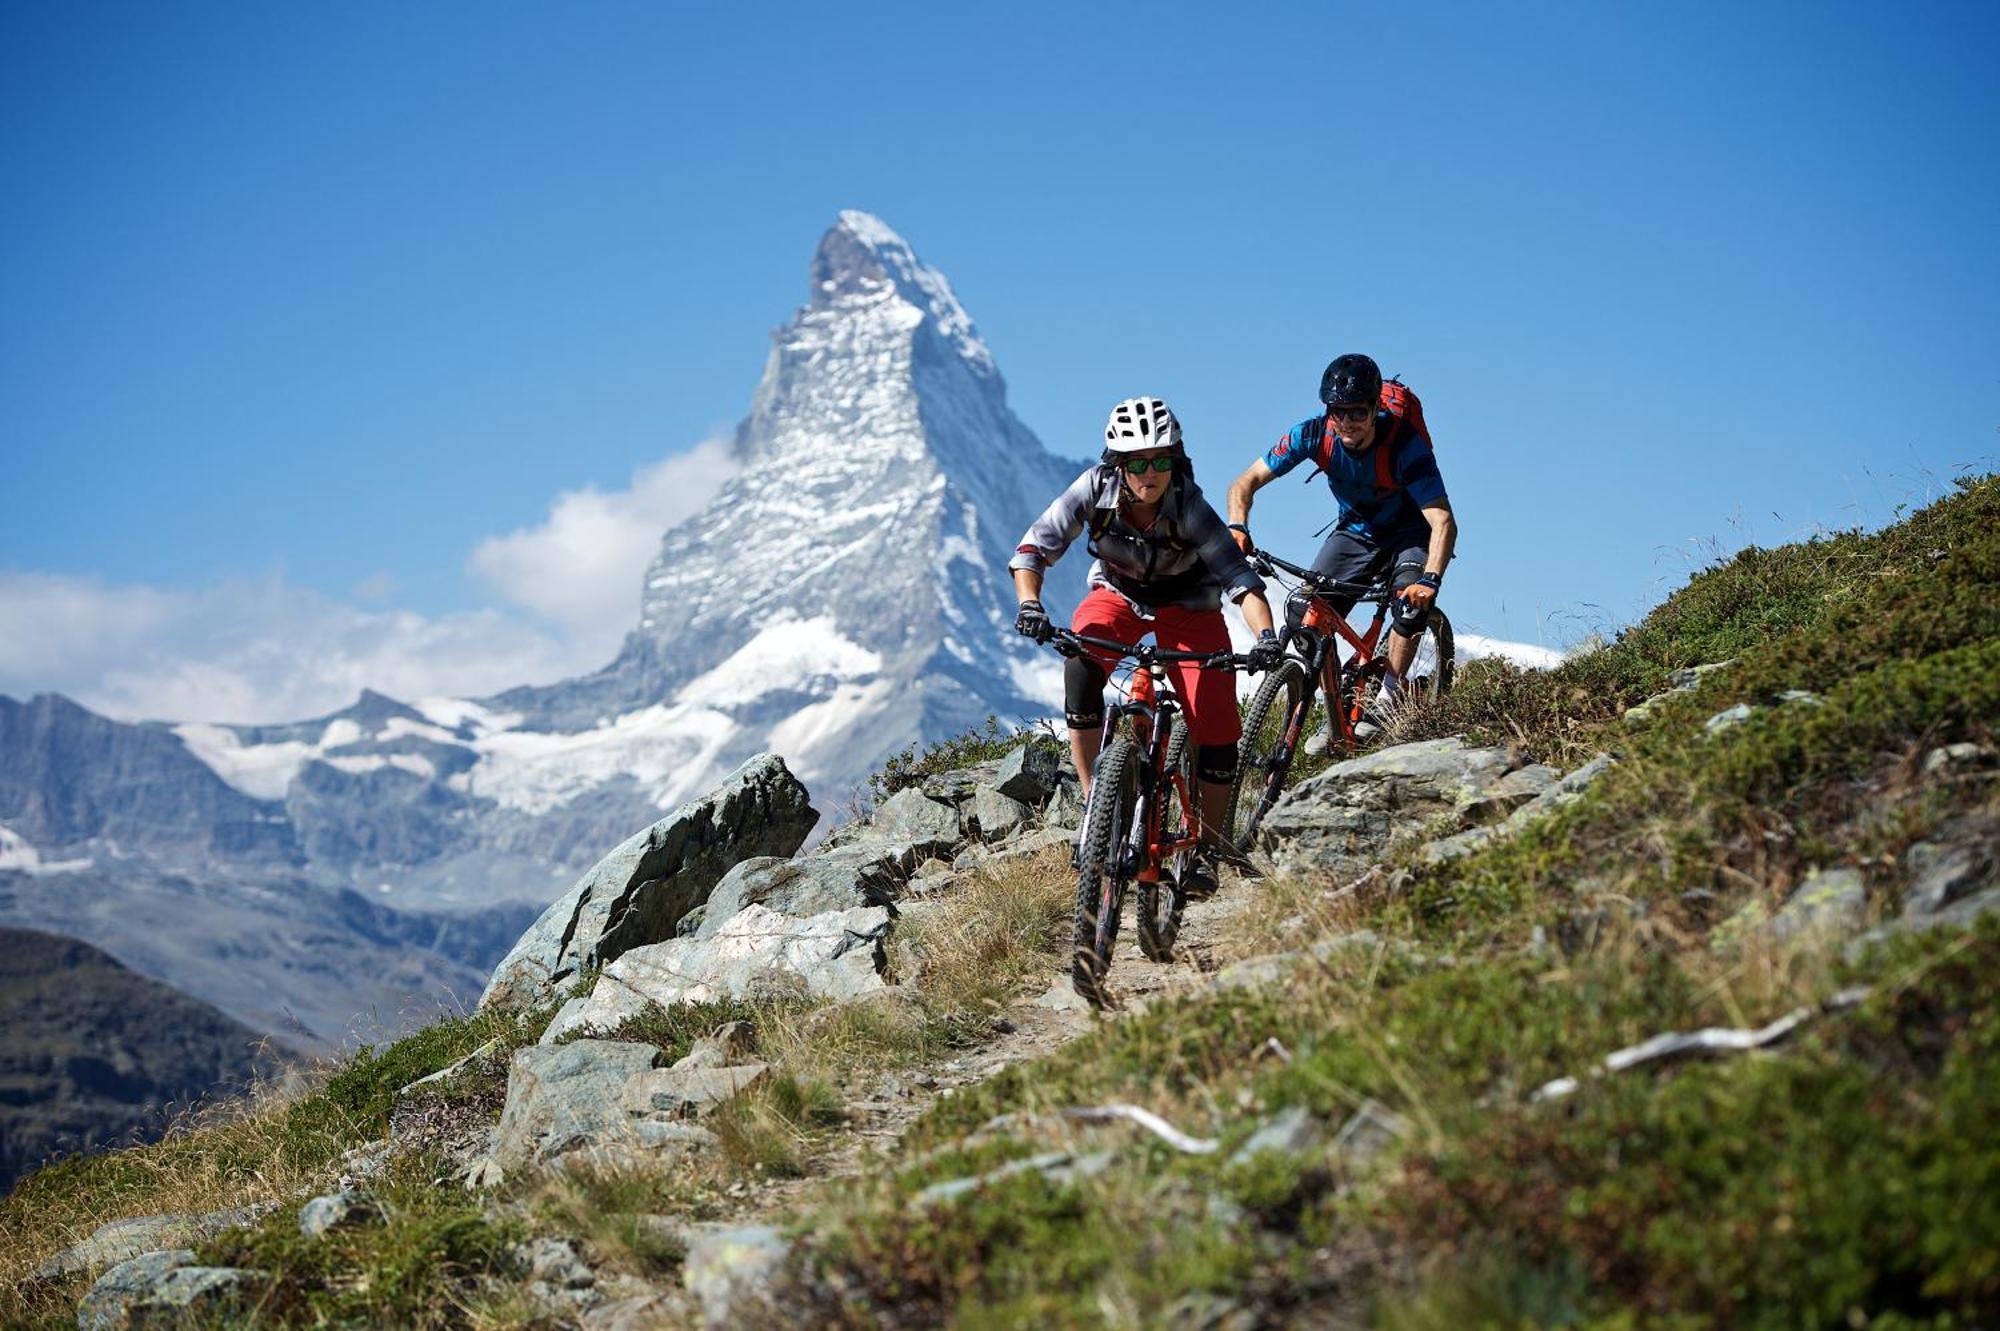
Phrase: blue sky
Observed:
(300, 305)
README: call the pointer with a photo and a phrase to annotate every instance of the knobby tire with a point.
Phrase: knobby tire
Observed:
(1161, 903)
(1100, 884)
(1260, 775)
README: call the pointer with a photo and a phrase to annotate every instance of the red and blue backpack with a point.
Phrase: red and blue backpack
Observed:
(1399, 400)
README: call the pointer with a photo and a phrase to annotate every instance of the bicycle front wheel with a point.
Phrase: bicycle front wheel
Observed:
(1262, 755)
(1428, 677)
(1161, 902)
(1100, 884)
(1430, 673)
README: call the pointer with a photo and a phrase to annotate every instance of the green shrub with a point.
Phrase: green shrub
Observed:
(980, 744)
(1852, 1180)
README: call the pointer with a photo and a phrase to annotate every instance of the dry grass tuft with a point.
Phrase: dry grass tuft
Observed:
(999, 923)
(1286, 912)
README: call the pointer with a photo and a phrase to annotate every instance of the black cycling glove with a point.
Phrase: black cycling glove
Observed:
(1266, 652)
(1033, 622)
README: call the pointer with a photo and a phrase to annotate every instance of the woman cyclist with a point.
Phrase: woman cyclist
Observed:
(1164, 561)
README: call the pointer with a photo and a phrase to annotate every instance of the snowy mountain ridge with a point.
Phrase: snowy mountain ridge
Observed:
(845, 594)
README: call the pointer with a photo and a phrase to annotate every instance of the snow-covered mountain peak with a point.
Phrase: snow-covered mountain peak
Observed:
(846, 593)
(861, 258)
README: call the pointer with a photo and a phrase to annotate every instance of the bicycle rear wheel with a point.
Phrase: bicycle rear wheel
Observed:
(1100, 884)
(1161, 902)
(1262, 756)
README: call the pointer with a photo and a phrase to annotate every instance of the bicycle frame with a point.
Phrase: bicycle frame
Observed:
(1321, 630)
(1149, 845)
(1322, 656)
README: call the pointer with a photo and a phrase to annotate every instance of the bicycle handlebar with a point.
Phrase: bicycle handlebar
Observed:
(1263, 561)
(1069, 643)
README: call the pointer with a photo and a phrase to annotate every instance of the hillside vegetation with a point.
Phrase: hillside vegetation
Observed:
(1845, 1176)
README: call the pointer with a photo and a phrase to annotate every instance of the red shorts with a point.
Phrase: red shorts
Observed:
(1210, 695)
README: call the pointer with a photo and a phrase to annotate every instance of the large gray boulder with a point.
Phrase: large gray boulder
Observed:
(756, 954)
(995, 816)
(569, 1098)
(1343, 818)
(639, 893)
(681, 1092)
(863, 873)
(910, 817)
(1553, 794)
(162, 1289)
(1029, 774)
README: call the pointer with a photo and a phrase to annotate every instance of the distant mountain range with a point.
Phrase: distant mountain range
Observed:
(92, 1054)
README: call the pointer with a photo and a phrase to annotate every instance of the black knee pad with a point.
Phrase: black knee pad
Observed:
(1409, 621)
(1083, 693)
(1405, 618)
(1215, 763)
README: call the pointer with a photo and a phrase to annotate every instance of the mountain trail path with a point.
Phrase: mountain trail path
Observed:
(1046, 1016)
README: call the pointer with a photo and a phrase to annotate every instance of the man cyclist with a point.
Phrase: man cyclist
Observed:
(1163, 563)
(1395, 517)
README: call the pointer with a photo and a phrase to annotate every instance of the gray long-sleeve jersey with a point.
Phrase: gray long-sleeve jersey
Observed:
(1185, 559)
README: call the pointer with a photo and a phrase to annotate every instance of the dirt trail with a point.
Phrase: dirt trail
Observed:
(1047, 1015)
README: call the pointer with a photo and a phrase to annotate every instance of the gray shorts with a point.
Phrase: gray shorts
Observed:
(1354, 557)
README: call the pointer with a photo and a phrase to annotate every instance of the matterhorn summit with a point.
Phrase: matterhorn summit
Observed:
(846, 593)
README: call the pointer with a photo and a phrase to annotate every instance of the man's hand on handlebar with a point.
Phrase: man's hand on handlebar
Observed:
(1422, 592)
(1241, 535)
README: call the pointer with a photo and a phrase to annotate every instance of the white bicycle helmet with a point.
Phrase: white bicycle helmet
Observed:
(1140, 423)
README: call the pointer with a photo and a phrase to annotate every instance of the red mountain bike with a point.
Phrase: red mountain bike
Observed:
(1276, 717)
(1143, 821)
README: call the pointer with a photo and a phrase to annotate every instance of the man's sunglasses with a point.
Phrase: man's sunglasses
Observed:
(1350, 415)
(1140, 466)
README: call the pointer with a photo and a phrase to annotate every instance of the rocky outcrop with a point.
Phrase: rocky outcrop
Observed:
(567, 1099)
(121, 1240)
(162, 1289)
(1343, 819)
(1553, 791)
(604, 1101)
(845, 878)
(758, 953)
(640, 892)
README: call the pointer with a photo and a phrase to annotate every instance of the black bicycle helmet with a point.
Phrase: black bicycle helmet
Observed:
(1352, 380)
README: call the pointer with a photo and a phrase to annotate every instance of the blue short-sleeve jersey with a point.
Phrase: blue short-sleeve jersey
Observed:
(1366, 506)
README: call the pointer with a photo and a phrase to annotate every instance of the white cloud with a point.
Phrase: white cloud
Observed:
(252, 649)
(582, 567)
(258, 649)
(1472, 646)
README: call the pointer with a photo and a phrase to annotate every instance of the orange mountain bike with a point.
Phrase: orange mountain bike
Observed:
(1143, 821)
(1275, 721)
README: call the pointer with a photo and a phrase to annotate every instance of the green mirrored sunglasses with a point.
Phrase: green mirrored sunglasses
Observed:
(1140, 466)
